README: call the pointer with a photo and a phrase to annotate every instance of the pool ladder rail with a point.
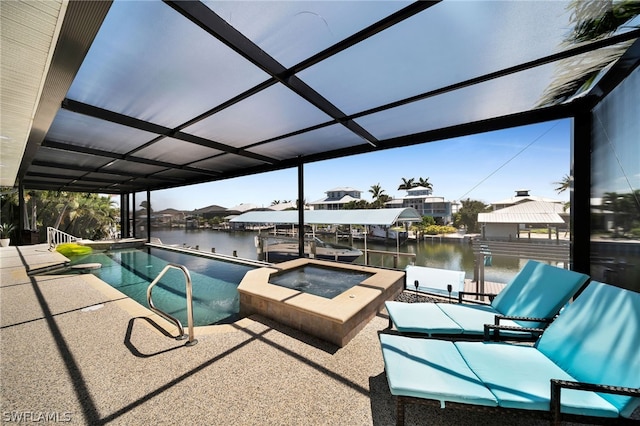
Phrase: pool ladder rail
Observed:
(181, 336)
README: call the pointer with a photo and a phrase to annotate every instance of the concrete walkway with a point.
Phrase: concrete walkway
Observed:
(73, 349)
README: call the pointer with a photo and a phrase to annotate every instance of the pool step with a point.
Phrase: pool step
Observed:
(49, 269)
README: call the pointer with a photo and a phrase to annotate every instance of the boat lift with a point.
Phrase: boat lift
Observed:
(365, 217)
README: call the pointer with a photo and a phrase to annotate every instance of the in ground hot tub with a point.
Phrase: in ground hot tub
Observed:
(336, 317)
(320, 280)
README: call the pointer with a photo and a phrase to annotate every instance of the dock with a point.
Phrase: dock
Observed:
(489, 286)
(538, 249)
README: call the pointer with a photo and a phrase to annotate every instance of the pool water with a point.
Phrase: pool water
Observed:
(214, 282)
(320, 281)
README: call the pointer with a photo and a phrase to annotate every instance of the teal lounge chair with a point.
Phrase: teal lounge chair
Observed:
(585, 367)
(525, 306)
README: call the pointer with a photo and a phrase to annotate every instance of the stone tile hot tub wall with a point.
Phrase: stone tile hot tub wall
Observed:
(335, 320)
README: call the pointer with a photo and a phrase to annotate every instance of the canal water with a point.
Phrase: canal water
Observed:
(445, 255)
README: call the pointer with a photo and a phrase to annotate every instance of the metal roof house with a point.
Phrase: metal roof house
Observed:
(130, 97)
(426, 204)
(507, 223)
(336, 198)
(522, 196)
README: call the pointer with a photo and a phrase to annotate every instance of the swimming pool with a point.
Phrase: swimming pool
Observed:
(215, 282)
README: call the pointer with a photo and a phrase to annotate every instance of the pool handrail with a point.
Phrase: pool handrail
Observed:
(181, 335)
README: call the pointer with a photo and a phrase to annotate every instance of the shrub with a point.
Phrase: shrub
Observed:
(439, 229)
(73, 249)
(6, 229)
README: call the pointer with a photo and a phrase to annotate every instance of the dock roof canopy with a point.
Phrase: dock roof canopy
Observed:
(386, 217)
(127, 96)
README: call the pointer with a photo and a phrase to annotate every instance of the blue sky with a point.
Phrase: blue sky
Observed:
(486, 167)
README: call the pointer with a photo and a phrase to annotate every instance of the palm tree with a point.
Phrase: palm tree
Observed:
(376, 190)
(275, 202)
(378, 195)
(563, 184)
(594, 20)
(31, 197)
(90, 216)
(383, 198)
(56, 207)
(84, 215)
(425, 183)
(625, 209)
(64, 203)
(407, 184)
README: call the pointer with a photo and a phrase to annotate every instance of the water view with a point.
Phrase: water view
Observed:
(446, 255)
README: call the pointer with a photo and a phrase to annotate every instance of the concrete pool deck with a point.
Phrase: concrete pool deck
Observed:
(72, 351)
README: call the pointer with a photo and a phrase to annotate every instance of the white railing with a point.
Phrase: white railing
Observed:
(56, 236)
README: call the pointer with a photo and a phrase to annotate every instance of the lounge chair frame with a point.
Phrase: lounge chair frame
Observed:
(496, 327)
(554, 415)
(491, 331)
(461, 295)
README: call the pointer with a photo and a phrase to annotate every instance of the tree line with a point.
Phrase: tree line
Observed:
(83, 215)
(94, 216)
